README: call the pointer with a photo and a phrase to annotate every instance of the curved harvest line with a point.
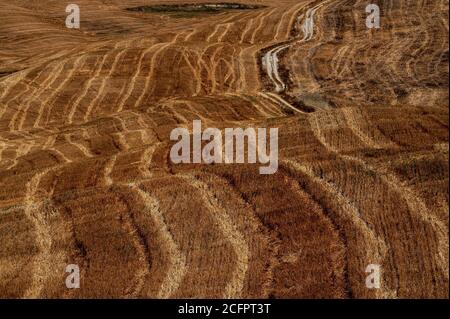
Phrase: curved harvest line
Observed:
(177, 260)
(240, 246)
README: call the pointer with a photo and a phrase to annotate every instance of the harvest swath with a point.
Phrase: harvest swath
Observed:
(86, 178)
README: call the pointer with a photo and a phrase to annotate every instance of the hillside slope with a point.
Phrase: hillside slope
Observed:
(86, 177)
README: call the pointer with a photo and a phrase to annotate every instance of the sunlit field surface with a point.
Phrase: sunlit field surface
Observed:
(86, 176)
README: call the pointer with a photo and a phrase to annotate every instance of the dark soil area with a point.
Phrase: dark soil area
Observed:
(186, 10)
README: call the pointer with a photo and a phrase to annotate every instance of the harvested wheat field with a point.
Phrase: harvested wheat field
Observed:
(87, 178)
